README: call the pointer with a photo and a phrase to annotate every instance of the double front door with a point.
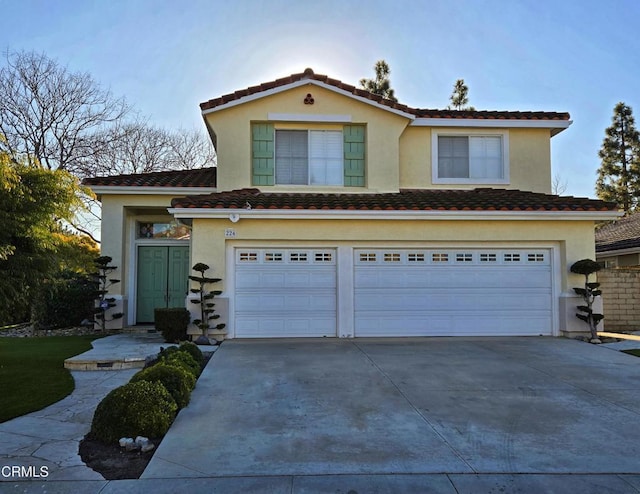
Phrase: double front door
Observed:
(162, 279)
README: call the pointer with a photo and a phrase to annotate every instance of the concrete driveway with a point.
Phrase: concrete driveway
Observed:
(457, 406)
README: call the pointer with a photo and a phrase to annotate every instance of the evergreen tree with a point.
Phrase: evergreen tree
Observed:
(619, 172)
(381, 84)
(460, 97)
(34, 202)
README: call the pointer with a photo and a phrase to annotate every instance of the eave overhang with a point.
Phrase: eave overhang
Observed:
(101, 190)
(555, 126)
(236, 215)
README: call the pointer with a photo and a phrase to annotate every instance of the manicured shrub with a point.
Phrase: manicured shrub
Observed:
(172, 323)
(193, 350)
(177, 380)
(63, 301)
(140, 408)
(182, 359)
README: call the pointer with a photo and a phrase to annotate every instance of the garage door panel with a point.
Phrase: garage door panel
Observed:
(444, 277)
(461, 298)
(447, 324)
(265, 326)
(295, 279)
(272, 302)
(453, 292)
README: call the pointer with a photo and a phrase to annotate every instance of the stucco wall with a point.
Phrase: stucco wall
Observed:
(621, 298)
(397, 154)
(233, 129)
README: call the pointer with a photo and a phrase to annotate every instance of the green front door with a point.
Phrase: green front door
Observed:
(162, 279)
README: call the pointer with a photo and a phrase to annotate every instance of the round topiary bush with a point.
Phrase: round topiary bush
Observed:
(140, 408)
(184, 360)
(193, 350)
(177, 380)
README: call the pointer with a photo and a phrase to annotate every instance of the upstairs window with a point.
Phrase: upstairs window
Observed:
(308, 156)
(470, 158)
(312, 157)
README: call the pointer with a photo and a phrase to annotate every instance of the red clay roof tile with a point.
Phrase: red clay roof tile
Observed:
(407, 199)
(202, 177)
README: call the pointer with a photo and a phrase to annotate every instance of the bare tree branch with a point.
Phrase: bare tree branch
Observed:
(49, 115)
(558, 185)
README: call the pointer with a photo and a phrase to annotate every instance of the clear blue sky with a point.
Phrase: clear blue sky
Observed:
(166, 57)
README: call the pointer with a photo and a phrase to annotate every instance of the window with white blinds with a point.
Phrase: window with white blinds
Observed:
(313, 157)
(470, 158)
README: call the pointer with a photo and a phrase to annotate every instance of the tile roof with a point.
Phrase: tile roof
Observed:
(418, 112)
(202, 177)
(621, 234)
(405, 200)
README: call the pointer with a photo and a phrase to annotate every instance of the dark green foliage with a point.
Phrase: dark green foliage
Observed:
(588, 293)
(64, 301)
(172, 323)
(381, 85)
(619, 172)
(193, 350)
(460, 97)
(33, 201)
(177, 380)
(586, 267)
(140, 408)
(205, 299)
(181, 359)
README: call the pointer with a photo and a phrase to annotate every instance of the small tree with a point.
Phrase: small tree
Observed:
(381, 85)
(205, 300)
(590, 291)
(460, 97)
(103, 301)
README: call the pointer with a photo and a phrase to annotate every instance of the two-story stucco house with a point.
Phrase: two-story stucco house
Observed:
(336, 213)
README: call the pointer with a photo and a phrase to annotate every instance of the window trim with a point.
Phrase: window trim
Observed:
(504, 134)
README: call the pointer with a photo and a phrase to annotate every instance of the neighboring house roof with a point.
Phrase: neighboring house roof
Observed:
(309, 75)
(406, 200)
(202, 177)
(619, 235)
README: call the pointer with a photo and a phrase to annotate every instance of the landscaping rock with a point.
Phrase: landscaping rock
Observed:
(202, 340)
(148, 446)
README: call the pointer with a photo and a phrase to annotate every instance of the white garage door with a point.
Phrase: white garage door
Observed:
(285, 293)
(450, 292)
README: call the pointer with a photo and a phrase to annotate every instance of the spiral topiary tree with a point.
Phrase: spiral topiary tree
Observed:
(588, 293)
(204, 299)
(103, 301)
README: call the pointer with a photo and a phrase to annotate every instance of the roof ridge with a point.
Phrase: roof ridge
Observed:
(309, 74)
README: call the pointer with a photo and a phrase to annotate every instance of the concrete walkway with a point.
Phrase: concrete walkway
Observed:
(50, 437)
(441, 415)
(120, 351)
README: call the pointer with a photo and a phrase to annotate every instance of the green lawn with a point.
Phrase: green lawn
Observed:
(32, 373)
(635, 352)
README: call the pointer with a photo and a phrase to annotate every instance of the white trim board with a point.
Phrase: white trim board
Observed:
(219, 213)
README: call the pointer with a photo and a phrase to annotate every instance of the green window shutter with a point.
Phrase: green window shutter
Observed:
(262, 154)
(354, 155)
